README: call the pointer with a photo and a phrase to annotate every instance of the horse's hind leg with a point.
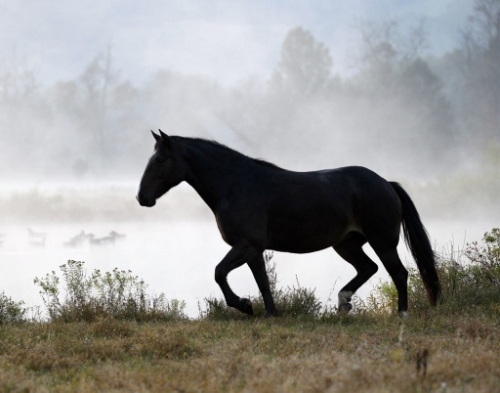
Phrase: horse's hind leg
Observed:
(351, 250)
(390, 258)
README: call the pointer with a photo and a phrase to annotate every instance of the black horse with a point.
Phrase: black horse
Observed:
(260, 206)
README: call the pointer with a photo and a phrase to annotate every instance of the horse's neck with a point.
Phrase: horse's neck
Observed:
(210, 177)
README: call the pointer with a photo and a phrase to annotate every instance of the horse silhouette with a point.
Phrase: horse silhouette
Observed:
(259, 206)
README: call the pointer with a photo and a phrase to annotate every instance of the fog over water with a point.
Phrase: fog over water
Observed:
(409, 90)
(178, 257)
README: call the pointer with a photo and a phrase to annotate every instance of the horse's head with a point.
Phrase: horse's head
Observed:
(165, 170)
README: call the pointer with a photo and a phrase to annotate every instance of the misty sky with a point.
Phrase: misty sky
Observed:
(226, 40)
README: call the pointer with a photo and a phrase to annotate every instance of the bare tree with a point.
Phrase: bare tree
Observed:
(96, 82)
(18, 81)
(481, 49)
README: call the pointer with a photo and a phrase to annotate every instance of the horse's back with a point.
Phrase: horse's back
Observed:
(308, 211)
(315, 210)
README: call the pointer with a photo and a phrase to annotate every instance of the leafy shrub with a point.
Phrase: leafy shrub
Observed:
(469, 278)
(10, 311)
(487, 257)
(117, 294)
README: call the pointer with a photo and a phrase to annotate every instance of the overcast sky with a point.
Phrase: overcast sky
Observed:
(226, 40)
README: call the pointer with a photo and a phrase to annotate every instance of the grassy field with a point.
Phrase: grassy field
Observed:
(107, 334)
(359, 353)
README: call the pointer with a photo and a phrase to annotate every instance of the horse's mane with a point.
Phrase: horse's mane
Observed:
(206, 143)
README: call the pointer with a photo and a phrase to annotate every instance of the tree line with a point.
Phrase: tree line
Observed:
(400, 111)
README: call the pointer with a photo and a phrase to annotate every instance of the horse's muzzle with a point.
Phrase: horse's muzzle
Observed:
(143, 201)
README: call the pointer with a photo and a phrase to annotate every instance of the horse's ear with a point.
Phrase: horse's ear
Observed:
(166, 139)
(156, 136)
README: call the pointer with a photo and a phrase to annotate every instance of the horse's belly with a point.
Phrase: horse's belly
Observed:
(305, 237)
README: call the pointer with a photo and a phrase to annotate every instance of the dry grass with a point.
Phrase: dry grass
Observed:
(357, 353)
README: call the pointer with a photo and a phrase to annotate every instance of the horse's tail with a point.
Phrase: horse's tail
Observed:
(417, 240)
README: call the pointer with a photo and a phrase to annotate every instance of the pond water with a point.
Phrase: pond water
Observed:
(178, 258)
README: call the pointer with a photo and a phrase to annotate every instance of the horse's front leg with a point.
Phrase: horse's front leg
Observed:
(236, 257)
(258, 267)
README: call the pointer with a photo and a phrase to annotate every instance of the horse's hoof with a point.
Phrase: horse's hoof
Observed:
(403, 314)
(346, 307)
(271, 314)
(246, 306)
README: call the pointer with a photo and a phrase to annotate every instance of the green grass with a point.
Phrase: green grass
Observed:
(94, 340)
